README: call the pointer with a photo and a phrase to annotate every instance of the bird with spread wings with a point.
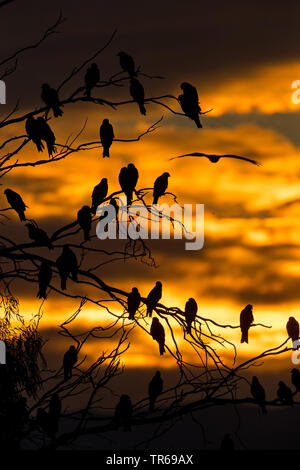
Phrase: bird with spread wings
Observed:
(216, 158)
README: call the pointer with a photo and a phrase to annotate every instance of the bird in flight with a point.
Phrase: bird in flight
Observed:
(215, 158)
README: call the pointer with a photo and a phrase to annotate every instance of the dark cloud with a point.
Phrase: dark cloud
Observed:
(207, 42)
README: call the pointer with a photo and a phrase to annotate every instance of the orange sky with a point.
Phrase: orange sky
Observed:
(251, 250)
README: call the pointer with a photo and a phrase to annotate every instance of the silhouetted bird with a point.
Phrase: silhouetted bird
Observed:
(158, 334)
(45, 132)
(51, 99)
(296, 378)
(138, 94)
(16, 202)
(67, 264)
(153, 298)
(38, 235)
(32, 129)
(160, 186)
(127, 64)
(45, 422)
(258, 393)
(216, 158)
(106, 136)
(69, 361)
(189, 102)
(113, 203)
(190, 313)
(227, 443)
(246, 318)
(128, 178)
(285, 394)
(123, 413)
(54, 411)
(84, 219)
(99, 194)
(44, 278)
(55, 406)
(133, 302)
(155, 388)
(92, 77)
(292, 328)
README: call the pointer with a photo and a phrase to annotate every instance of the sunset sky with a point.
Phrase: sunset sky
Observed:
(243, 58)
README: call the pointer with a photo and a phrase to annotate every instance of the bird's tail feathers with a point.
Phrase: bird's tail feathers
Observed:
(198, 123)
(41, 294)
(161, 348)
(142, 109)
(106, 152)
(21, 216)
(244, 337)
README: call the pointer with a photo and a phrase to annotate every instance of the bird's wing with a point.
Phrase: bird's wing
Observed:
(254, 162)
(195, 154)
(198, 154)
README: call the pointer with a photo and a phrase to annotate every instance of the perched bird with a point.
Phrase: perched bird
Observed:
(106, 136)
(67, 264)
(246, 318)
(285, 394)
(44, 278)
(32, 129)
(127, 64)
(16, 202)
(84, 219)
(69, 361)
(44, 422)
(158, 334)
(133, 176)
(216, 158)
(38, 235)
(128, 178)
(296, 378)
(189, 102)
(55, 406)
(155, 388)
(51, 99)
(190, 313)
(92, 77)
(138, 94)
(227, 443)
(160, 186)
(54, 411)
(45, 132)
(99, 194)
(123, 413)
(154, 297)
(292, 328)
(133, 302)
(258, 393)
